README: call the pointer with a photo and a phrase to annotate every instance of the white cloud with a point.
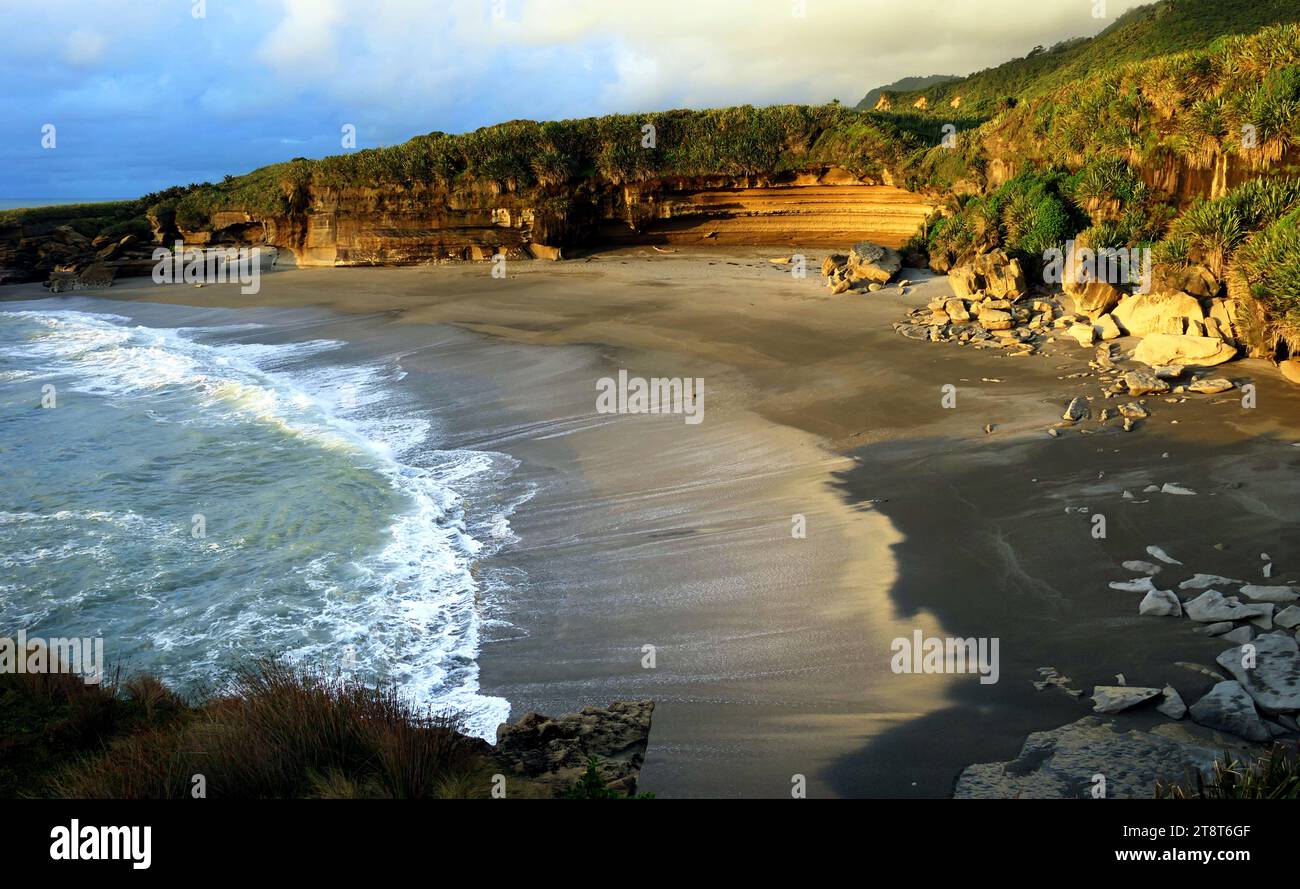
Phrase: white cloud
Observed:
(303, 42)
(85, 48)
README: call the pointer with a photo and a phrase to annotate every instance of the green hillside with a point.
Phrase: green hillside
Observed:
(906, 85)
(1164, 27)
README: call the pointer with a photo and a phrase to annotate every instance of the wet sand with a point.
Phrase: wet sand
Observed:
(772, 653)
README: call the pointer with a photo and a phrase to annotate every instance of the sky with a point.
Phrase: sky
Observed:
(107, 99)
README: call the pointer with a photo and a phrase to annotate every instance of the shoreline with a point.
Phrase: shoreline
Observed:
(793, 372)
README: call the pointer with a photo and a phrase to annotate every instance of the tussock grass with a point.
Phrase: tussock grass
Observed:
(281, 731)
(1276, 775)
(274, 731)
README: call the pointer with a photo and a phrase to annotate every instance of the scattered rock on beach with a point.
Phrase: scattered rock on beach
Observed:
(1160, 603)
(1077, 409)
(1084, 334)
(1227, 707)
(1205, 581)
(1211, 387)
(873, 263)
(1280, 594)
(1212, 606)
(1160, 554)
(1144, 382)
(1115, 698)
(1273, 680)
(1138, 585)
(1171, 704)
(1142, 567)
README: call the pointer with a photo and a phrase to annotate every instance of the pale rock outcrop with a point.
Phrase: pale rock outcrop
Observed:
(1004, 278)
(1166, 312)
(1061, 763)
(1163, 348)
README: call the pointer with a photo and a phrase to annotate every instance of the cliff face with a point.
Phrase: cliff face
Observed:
(399, 226)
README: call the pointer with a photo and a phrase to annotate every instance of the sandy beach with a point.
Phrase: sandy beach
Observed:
(772, 651)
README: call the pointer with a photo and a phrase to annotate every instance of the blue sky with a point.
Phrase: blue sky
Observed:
(148, 93)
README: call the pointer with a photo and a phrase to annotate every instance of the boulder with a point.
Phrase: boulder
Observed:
(1094, 298)
(1282, 594)
(1086, 334)
(1077, 409)
(1003, 276)
(1144, 382)
(1163, 348)
(1107, 329)
(1210, 387)
(1274, 680)
(1196, 280)
(1288, 618)
(966, 283)
(1238, 635)
(1205, 581)
(833, 262)
(1114, 698)
(543, 251)
(1212, 606)
(1137, 585)
(1171, 704)
(957, 311)
(1228, 708)
(1142, 567)
(872, 262)
(1164, 312)
(1160, 603)
(995, 319)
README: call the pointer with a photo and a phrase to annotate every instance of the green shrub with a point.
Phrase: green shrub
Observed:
(1268, 263)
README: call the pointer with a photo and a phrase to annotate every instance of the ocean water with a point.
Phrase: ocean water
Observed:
(195, 496)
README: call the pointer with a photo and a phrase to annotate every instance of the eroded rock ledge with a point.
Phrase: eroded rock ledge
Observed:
(1062, 763)
(555, 751)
